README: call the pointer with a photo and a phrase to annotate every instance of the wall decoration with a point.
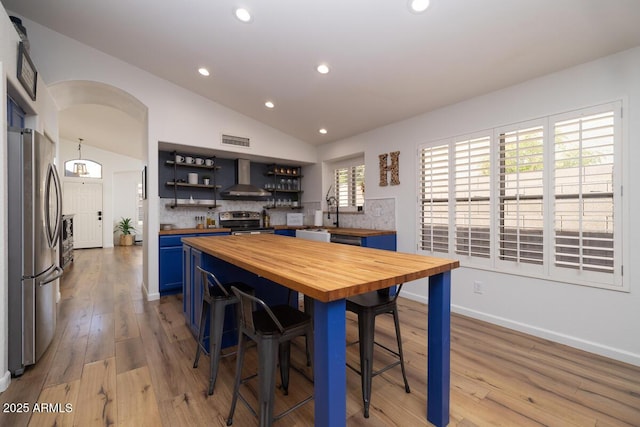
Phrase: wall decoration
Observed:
(394, 168)
(27, 73)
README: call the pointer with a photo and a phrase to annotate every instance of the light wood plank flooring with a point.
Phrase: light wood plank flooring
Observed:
(117, 359)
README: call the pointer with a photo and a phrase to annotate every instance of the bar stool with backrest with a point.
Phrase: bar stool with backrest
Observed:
(272, 329)
(215, 299)
(367, 307)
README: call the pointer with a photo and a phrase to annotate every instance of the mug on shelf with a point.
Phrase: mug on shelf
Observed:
(188, 159)
(208, 162)
(179, 158)
(199, 161)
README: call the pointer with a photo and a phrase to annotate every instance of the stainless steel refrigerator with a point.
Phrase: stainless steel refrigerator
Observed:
(34, 216)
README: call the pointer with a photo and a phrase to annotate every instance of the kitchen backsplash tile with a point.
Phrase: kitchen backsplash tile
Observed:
(186, 217)
(379, 214)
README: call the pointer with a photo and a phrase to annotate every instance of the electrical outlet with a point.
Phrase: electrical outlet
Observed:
(477, 287)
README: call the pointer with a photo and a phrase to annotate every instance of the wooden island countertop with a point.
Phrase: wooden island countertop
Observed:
(323, 271)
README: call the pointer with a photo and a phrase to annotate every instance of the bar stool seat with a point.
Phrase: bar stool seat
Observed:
(215, 298)
(367, 307)
(272, 329)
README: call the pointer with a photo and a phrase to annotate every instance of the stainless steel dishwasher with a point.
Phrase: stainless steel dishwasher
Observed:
(346, 239)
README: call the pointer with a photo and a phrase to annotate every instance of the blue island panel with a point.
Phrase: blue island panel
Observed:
(270, 292)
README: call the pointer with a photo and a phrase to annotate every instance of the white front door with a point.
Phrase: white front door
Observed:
(84, 200)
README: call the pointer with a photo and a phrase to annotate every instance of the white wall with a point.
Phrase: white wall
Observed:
(125, 202)
(116, 170)
(602, 321)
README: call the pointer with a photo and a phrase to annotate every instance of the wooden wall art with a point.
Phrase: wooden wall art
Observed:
(394, 168)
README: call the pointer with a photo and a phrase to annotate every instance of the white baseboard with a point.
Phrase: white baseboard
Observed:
(579, 343)
(5, 380)
(589, 346)
(150, 297)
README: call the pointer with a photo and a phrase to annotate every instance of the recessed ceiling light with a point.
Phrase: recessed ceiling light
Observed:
(203, 71)
(418, 6)
(323, 68)
(323, 131)
(243, 14)
(269, 104)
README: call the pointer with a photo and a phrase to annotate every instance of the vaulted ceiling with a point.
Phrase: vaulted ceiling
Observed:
(386, 62)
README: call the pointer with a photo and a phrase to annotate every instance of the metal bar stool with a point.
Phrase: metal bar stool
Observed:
(272, 329)
(367, 307)
(308, 308)
(215, 298)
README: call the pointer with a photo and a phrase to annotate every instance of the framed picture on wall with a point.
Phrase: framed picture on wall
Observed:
(27, 73)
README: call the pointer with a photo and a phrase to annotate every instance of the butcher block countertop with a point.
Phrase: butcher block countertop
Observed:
(323, 271)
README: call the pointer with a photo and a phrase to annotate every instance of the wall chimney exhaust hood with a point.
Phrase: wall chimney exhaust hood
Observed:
(243, 187)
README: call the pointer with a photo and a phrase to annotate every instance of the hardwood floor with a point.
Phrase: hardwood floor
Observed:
(117, 359)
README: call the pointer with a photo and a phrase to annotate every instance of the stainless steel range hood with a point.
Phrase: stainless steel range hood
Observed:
(243, 187)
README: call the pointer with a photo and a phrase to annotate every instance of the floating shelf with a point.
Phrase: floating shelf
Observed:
(192, 205)
(283, 208)
(190, 165)
(212, 187)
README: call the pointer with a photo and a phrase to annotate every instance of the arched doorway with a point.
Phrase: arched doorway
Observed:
(112, 125)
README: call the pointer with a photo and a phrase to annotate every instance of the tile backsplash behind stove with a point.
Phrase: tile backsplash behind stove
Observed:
(379, 214)
(186, 217)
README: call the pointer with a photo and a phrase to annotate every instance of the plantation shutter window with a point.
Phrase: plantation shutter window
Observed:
(434, 199)
(349, 186)
(472, 186)
(584, 198)
(521, 202)
(541, 198)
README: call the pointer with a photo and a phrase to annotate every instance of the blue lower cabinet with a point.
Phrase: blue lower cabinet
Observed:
(170, 270)
(384, 241)
(286, 232)
(170, 262)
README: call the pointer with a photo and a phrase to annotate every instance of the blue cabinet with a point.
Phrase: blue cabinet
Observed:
(384, 241)
(170, 262)
(286, 232)
(187, 297)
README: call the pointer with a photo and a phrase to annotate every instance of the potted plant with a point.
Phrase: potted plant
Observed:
(125, 227)
(205, 180)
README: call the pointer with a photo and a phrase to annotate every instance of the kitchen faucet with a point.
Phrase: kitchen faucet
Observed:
(330, 201)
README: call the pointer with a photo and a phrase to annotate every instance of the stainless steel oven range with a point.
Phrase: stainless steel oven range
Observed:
(244, 222)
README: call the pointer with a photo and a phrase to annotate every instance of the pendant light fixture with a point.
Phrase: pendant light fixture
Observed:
(80, 167)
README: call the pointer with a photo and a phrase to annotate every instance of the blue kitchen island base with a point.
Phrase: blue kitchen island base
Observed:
(268, 291)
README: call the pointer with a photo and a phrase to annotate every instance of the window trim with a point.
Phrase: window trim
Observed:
(617, 281)
(68, 173)
(349, 163)
(573, 276)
